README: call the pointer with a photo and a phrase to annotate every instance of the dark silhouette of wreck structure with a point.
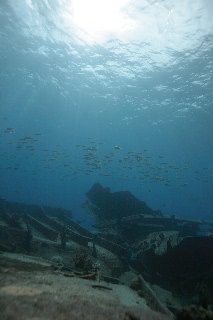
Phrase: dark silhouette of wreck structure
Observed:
(167, 249)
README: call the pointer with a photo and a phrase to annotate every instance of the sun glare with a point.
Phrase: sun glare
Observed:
(100, 17)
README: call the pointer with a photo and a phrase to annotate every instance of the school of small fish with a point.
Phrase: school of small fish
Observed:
(90, 158)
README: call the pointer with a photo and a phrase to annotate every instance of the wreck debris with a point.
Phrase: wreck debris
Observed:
(63, 237)
(182, 265)
(12, 239)
(150, 224)
(152, 299)
(116, 204)
(109, 245)
(202, 292)
(133, 219)
(130, 237)
(193, 312)
(159, 242)
(74, 226)
(44, 229)
(166, 249)
(83, 261)
(70, 233)
(89, 276)
(29, 232)
(13, 219)
(99, 286)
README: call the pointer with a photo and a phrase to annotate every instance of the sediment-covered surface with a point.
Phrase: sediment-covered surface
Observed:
(31, 289)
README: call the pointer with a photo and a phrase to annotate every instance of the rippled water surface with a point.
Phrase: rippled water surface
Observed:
(116, 93)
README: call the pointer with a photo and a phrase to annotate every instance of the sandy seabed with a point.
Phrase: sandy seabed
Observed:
(31, 290)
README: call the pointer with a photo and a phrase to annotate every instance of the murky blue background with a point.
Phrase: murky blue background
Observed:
(78, 80)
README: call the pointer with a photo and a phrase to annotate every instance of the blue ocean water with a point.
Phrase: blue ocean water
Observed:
(115, 93)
